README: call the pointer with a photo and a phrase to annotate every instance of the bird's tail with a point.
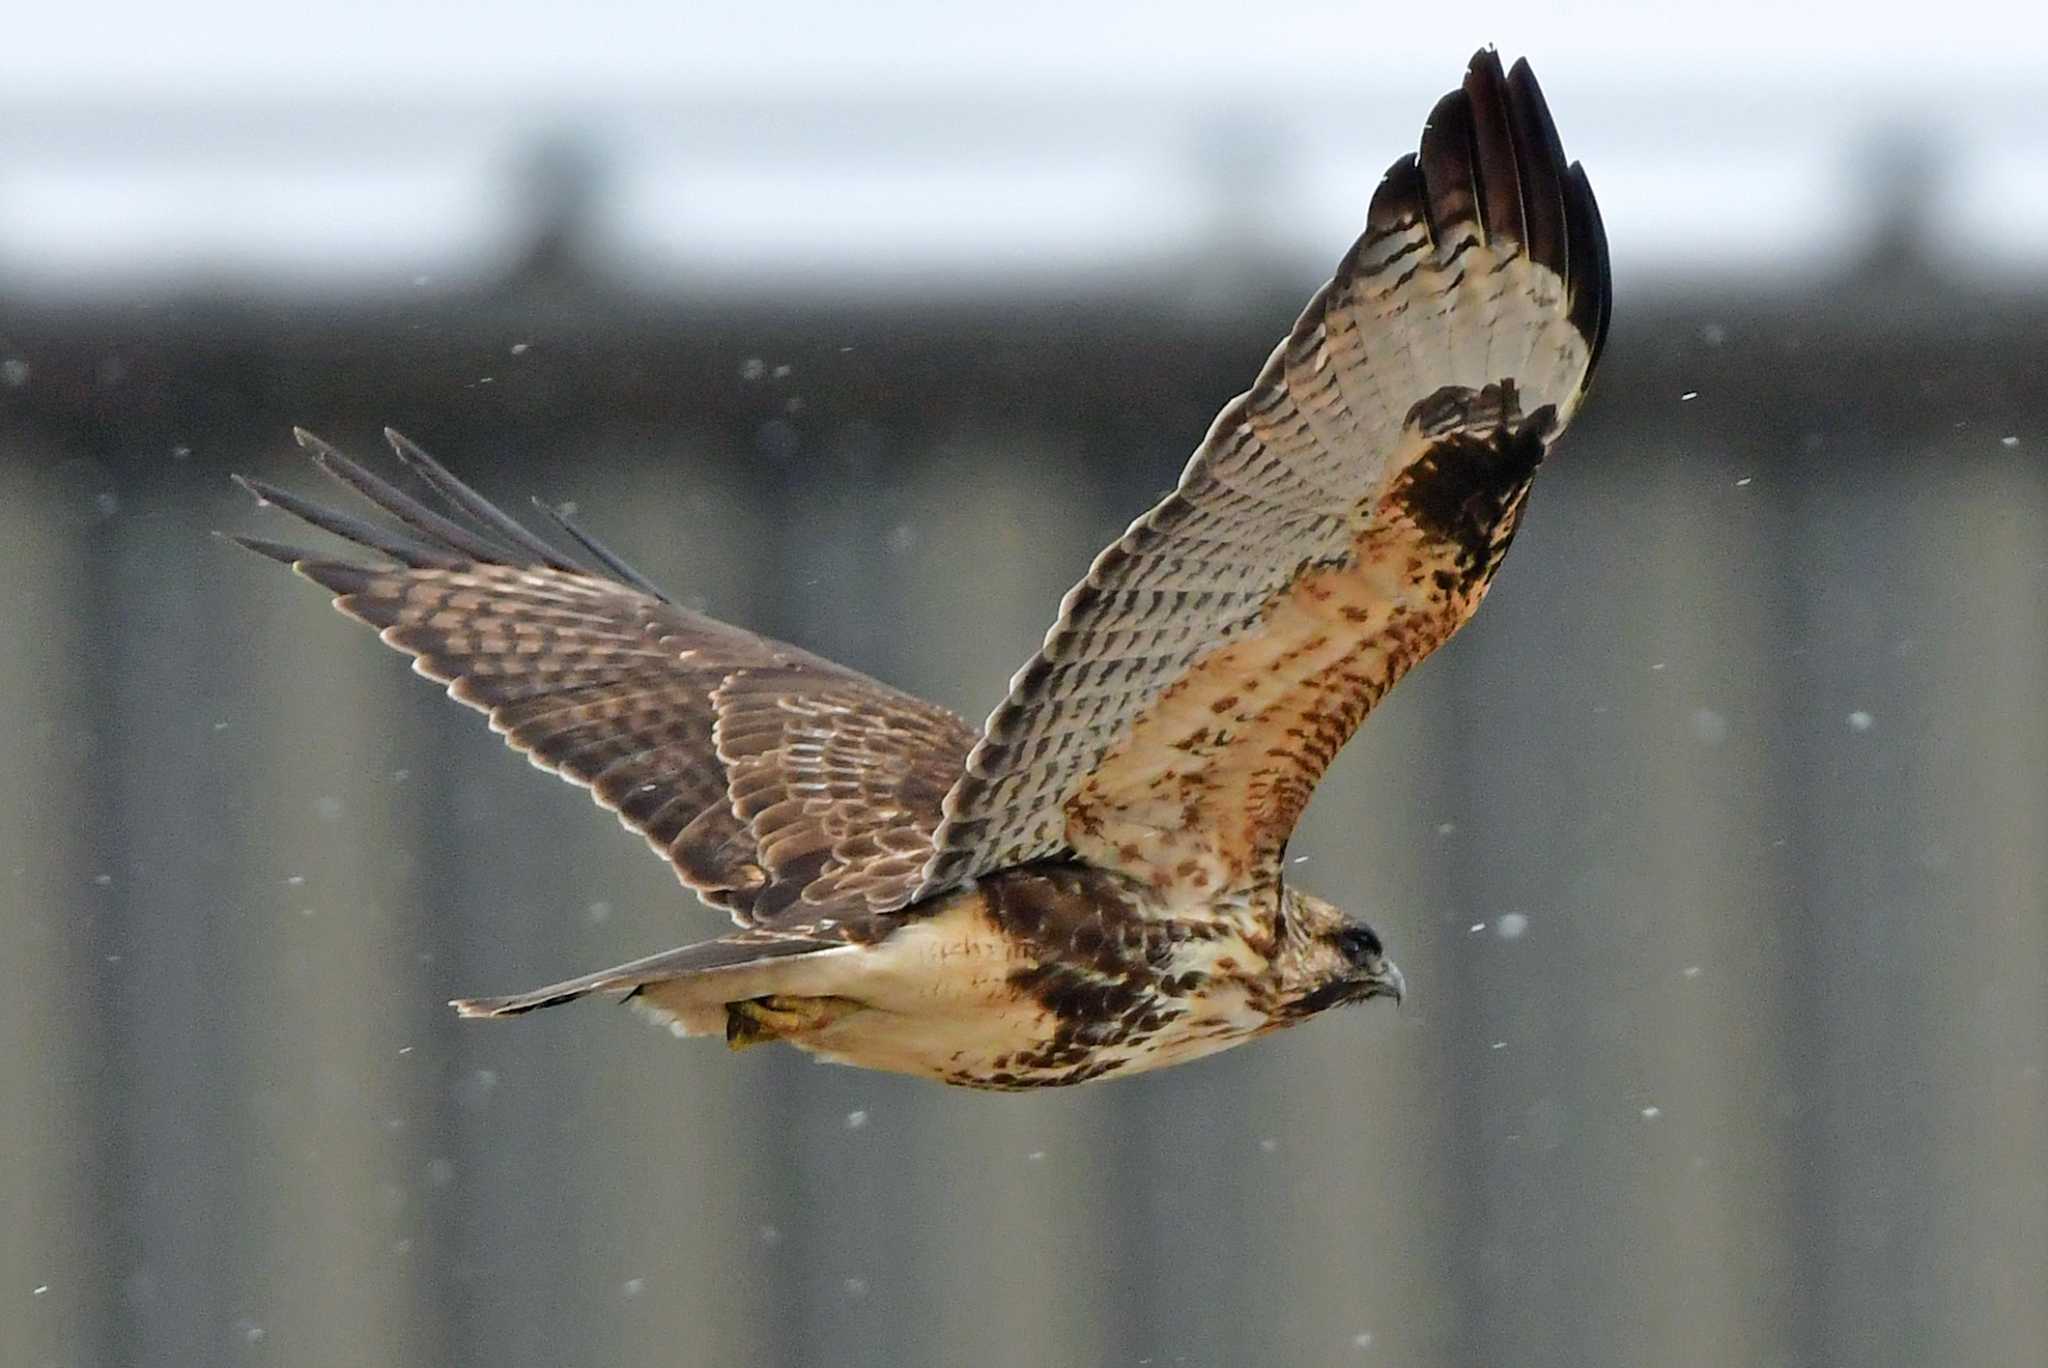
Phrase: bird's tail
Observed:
(689, 988)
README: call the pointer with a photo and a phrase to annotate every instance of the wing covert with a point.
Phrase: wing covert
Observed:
(1338, 522)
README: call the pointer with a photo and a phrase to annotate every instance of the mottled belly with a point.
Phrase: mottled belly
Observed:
(959, 998)
(1017, 1045)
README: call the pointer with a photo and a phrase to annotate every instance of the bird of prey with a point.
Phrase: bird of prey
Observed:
(1091, 884)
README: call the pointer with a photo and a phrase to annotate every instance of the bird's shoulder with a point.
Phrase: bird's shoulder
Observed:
(1074, 910)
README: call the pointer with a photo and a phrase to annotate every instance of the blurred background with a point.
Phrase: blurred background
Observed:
(1716, 851)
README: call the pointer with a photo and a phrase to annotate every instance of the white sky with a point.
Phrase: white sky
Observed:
(120, 47)
(860, 138)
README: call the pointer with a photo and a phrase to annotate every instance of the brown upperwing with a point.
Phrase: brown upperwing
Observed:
(775, 781)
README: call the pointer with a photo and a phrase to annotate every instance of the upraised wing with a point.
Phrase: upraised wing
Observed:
(775, 781)
(1338, 523)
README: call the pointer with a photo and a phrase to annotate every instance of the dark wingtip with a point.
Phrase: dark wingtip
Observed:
(439, 531)
(415, 457)
(1497, 162)
(263, 546)
(1449, 171)
(399, 547)
(1516, 154)
(258, 490)
(474, 506)
(517, 1005)
(1484, 67)
(410, 452)
(484, 1007)
(340, 578)
(1397, 202)
(1591, 275)
(312, 442)
(614, 566)
(1540, 156)
(430, 539)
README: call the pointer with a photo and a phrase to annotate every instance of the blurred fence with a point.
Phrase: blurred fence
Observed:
(1716, 853)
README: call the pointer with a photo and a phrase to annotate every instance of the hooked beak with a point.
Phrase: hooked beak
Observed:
(1394, 982)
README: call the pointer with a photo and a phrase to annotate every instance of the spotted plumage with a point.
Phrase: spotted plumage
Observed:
(1090, 885)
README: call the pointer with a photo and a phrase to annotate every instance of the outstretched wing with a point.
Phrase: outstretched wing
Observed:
(1338, 523)
(775, 781)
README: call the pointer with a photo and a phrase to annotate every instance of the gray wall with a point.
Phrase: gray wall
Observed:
(1750, 738)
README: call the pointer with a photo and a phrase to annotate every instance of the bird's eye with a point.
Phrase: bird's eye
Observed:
(1359, 944)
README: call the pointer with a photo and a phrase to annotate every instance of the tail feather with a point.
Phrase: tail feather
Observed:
(710, 973)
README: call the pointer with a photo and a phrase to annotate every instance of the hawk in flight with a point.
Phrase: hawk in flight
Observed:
(1090, 885)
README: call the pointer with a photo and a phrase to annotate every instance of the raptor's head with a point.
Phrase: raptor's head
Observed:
(1333, 960)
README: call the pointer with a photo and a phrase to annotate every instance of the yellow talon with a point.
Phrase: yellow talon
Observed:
(757, 1021)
